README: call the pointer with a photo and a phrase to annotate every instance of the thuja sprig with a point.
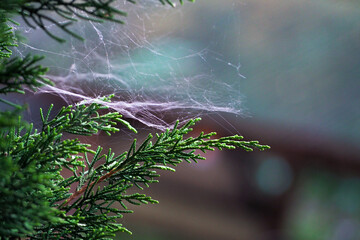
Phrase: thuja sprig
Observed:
(7, 36)
(137, 167)
(25, 190)
(16, 73)
(47, 145)
(36, 13)
(84, 119)
(89, 212)
(32, 162)
(19, 72)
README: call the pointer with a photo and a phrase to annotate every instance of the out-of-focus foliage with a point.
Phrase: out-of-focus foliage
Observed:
(327, 198)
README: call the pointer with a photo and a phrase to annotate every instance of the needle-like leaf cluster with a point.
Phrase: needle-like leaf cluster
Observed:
(19, 72)
(16, 73)
(102, 181)
(7, 37)
(62, 13)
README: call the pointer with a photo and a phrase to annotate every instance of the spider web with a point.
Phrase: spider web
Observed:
(156, 76)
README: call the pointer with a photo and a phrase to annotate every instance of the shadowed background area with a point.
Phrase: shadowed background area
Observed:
(295, 66)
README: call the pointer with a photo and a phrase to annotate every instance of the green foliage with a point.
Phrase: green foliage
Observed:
(7, 37)
(18, 72)
(36, 200)
(24, 198)
(36, 13)
(42, 155)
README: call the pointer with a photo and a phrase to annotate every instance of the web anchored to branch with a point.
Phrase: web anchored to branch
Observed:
(138, 166)
(151, 73)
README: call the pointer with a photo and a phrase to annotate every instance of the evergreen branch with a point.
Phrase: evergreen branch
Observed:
(47, 146)
(36, 13)
(17, 72)
(24, 191)
(84, 119)
(24, 198)
(45, 154)
(7, 36)
(92, 204)
(11, 6)
(92, 10)
(139, 166)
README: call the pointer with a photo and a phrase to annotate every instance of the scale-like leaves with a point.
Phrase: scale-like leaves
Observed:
(19, 72)
(107, 184)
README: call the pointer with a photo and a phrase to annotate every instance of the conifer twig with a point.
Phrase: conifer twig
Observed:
(169, 148)
(89, 185)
